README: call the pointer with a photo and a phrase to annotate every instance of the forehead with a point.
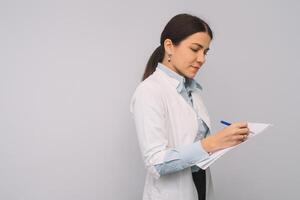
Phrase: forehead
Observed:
(201, 38)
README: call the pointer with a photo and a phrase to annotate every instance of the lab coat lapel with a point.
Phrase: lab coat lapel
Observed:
(198, 104)
(200, 109)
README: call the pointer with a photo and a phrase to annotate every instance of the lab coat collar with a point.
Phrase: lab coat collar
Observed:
(174, 82)
(179, 81)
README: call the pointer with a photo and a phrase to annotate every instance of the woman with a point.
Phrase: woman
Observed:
(172, 123)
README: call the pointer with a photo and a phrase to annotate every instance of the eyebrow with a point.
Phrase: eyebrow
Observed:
(200, 45)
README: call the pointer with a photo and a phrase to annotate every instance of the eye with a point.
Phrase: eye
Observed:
(194, 50)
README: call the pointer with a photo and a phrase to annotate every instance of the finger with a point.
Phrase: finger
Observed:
(238, 138)
(243, 131)
(240, 131)
(241, 124)
(245, 138)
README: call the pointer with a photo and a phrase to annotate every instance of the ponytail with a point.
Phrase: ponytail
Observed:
(156, 57)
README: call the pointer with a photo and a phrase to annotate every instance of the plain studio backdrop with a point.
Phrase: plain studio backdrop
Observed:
(69, 68)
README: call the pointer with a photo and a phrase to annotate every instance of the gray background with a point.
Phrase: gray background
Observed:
(68, 70)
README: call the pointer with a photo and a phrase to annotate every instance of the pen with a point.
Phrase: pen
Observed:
(226, 123)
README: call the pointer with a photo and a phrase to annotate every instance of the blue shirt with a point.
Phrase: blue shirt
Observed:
(190, 152)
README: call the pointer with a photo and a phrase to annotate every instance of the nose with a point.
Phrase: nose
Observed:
(201, 57)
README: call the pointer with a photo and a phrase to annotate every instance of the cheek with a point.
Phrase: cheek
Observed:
(185, 57)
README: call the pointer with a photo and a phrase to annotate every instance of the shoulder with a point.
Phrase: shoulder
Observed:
(149, 91)
(153, 85)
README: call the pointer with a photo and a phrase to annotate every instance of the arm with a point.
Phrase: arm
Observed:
(181, 158)
(149, 115)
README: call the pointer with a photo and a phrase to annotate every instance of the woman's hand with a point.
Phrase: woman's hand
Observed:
(229, 136)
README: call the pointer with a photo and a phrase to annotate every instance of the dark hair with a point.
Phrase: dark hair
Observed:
(177, 29)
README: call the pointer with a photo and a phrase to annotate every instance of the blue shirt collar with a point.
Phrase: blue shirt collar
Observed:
(188, 84)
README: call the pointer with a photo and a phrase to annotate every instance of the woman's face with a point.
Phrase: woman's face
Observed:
(189, 55)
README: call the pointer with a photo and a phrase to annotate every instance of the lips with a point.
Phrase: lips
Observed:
(197, 67)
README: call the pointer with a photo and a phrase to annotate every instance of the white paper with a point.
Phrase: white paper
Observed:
(255, 129)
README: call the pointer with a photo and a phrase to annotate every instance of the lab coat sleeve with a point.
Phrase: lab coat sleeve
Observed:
(148, 112)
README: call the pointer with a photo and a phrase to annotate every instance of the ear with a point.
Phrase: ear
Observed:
(169, 47)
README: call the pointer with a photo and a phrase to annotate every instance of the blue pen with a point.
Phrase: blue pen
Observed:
(226, 123)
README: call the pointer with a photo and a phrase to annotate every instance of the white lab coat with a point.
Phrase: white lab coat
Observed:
(165, 120)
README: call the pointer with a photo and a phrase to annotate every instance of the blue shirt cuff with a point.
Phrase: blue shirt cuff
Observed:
(179, 158)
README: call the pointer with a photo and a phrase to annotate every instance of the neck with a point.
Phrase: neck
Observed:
(171, 67)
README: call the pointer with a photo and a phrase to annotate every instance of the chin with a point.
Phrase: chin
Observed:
(191, 75)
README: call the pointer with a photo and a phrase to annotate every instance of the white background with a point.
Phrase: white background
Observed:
(68, 70)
